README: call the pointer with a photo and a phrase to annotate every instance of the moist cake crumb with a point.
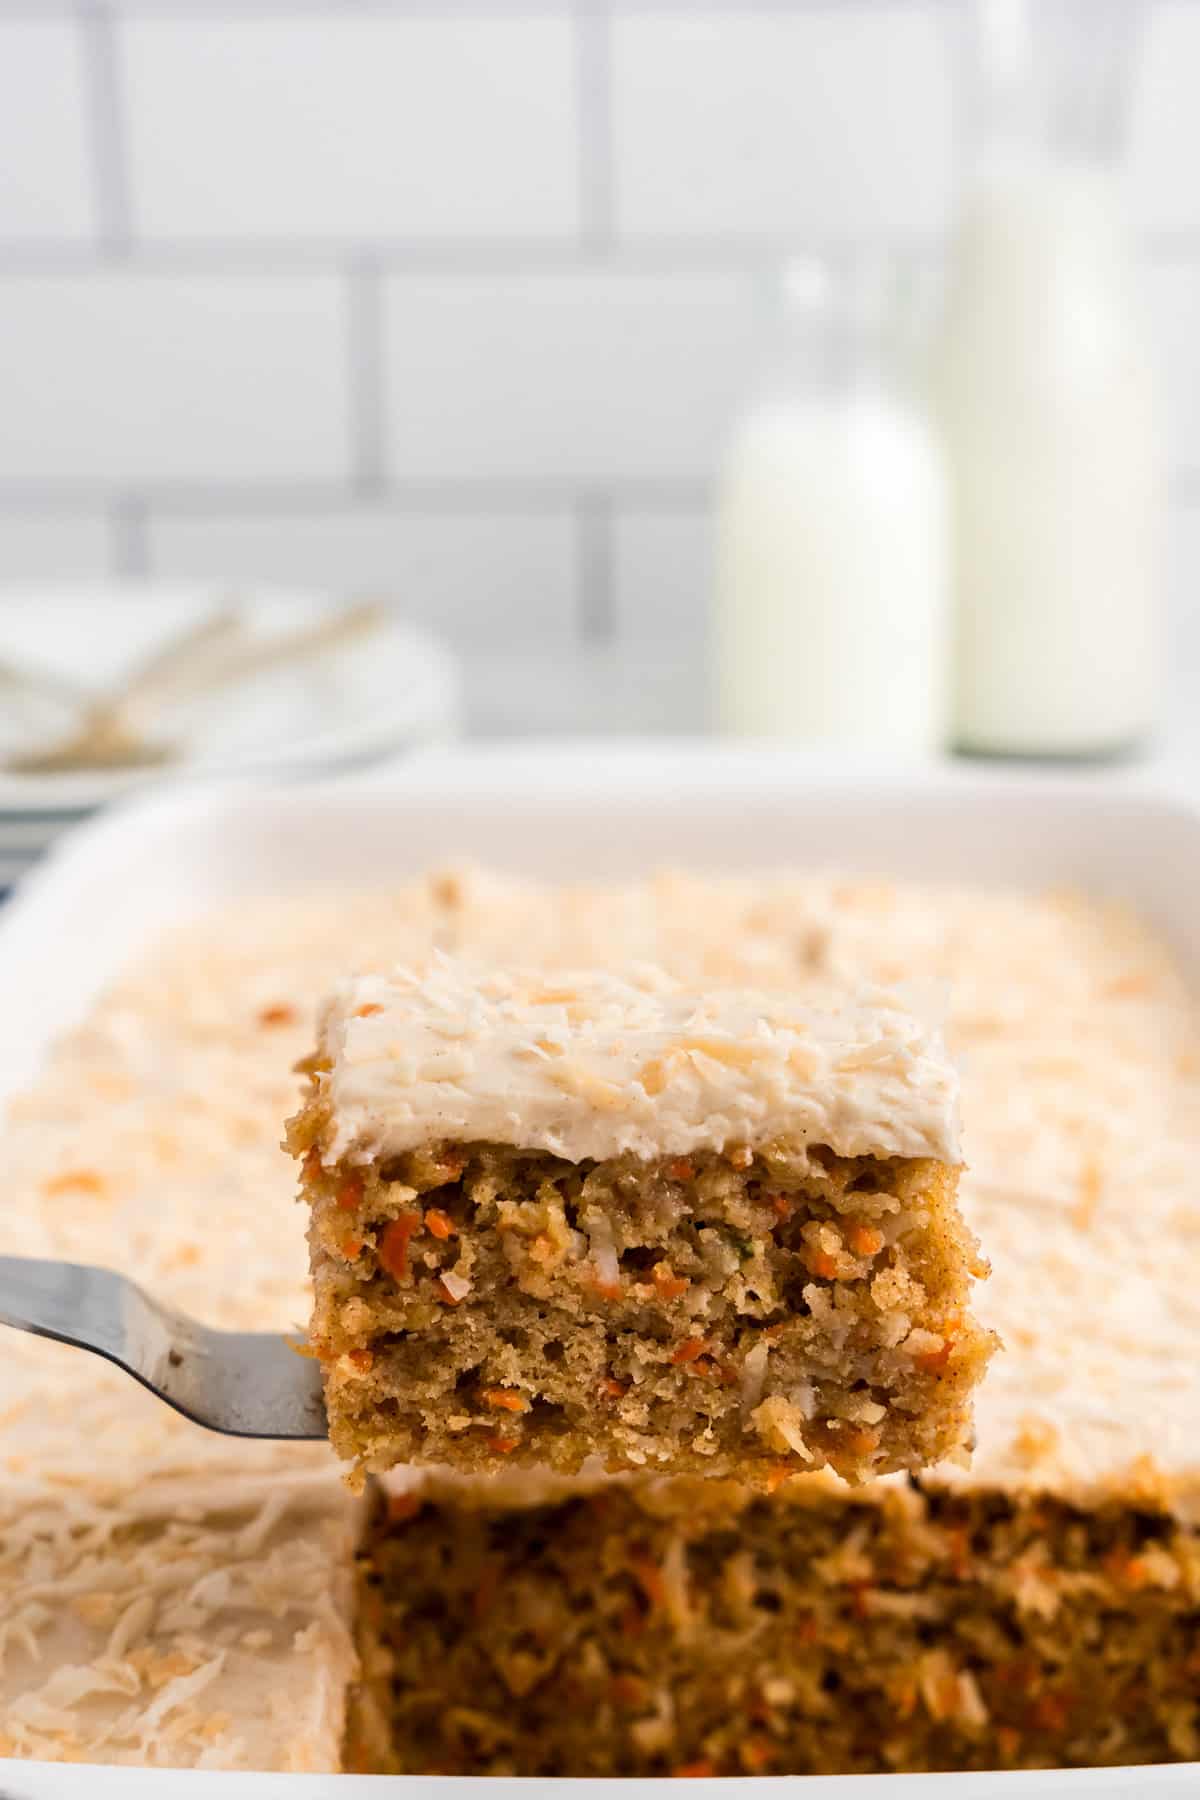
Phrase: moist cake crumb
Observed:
(685, 1628)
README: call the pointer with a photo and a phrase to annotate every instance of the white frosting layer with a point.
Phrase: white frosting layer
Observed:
(591, 1066)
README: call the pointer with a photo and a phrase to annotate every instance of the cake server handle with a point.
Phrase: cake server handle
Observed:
(244, 1383)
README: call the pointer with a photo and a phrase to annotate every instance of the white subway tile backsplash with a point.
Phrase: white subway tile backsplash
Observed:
(829, 122)
(45, 176)
(351, 125)
(662, 579)
(1183, 577)
(654, 679)
(662, 598)
(52, 546)
(154, 378)
(1171, 292)
(1164, 136)
(482, 580)
(1182, 720)
(575, 375)
(584, 690)
(526, 237)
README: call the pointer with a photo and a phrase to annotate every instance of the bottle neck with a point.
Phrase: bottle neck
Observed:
(829, 363)
(1048, 79)
(832, 340)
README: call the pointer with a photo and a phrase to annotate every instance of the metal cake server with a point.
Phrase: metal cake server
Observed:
(243, 1383)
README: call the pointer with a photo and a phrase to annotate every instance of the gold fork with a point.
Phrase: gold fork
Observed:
(204, 657)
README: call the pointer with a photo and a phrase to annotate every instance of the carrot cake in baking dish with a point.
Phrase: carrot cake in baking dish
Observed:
(606, 1216)
(1038, 1608)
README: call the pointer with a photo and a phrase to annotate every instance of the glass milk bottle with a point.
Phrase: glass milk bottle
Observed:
(1044, 390)
(831, 583)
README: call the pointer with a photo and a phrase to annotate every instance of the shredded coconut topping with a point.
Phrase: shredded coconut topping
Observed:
(592, 1065)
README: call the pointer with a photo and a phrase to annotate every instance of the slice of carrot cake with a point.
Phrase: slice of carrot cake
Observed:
(587, 1216)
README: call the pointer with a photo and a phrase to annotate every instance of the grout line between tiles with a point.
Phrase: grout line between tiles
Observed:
(440, 495)
(364, 348)
(596, 618)
(444, 494)
(230, 10)
(659, 255)
(110, 166)
(131, 556)
(596, 174)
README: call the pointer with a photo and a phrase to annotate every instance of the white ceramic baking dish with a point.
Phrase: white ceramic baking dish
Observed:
(578, 811)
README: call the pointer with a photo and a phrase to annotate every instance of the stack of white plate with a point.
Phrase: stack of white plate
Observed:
(362, 701)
